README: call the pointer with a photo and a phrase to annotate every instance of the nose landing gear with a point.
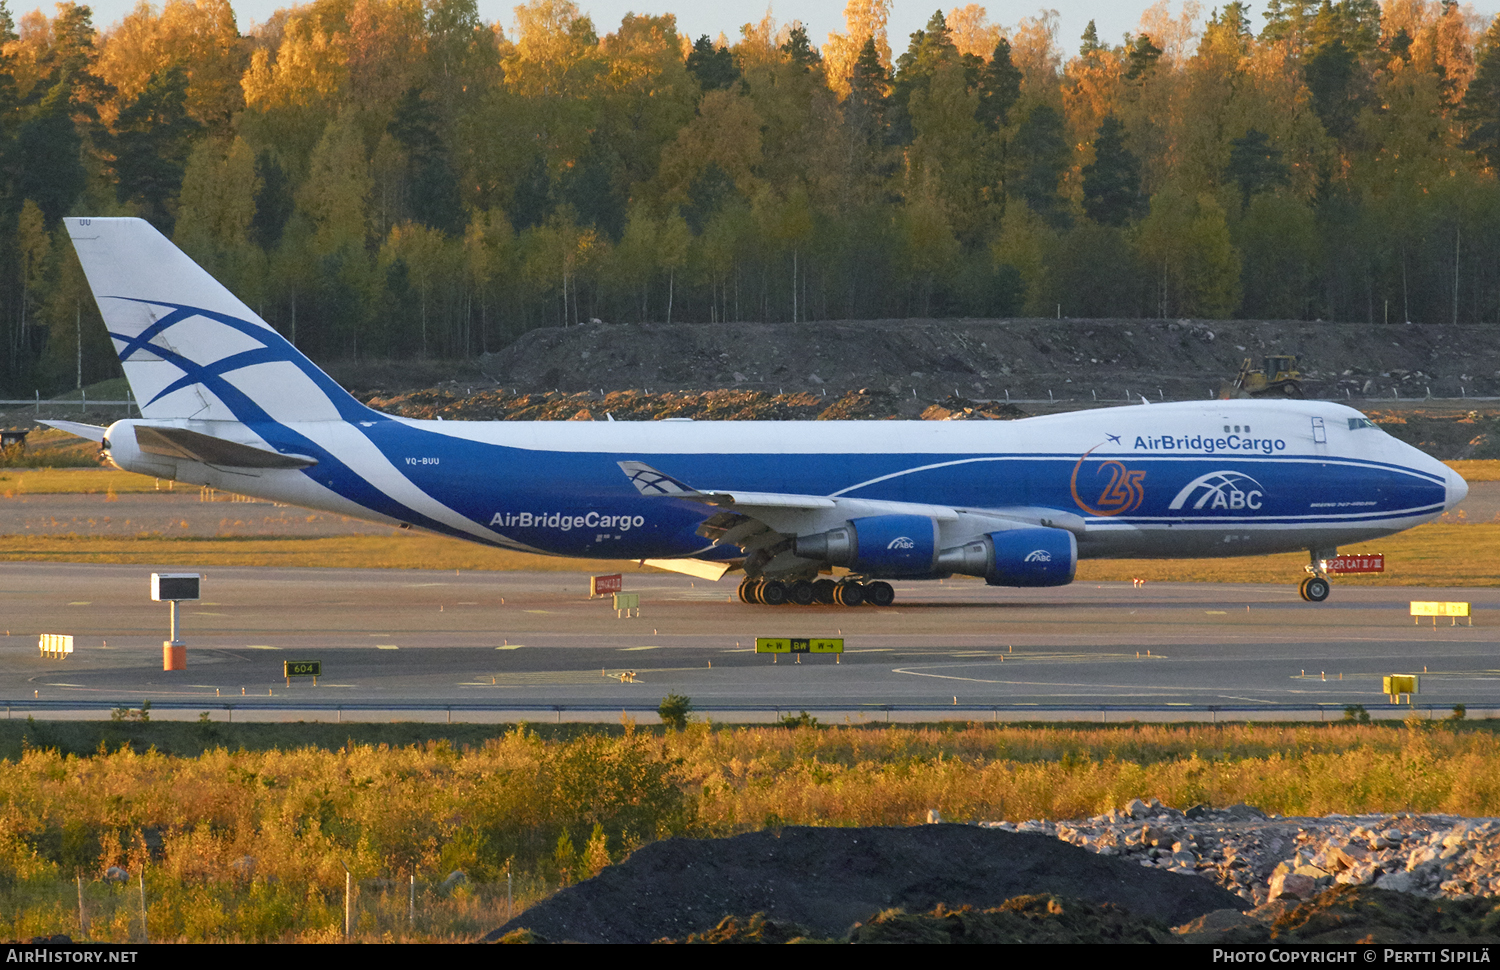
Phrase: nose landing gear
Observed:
(1315, 587)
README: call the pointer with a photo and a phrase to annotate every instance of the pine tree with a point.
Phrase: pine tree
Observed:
(1142, 57)
(1041, 153)
(1330, 79)
(915, 69)
(999, 87)
(48, 157)
(1112, 183)
(152, 139)
(1480, 111)
(1090, 39)
(9, 117)
(1255, 164)
(800, 50)
(433, 185)
(869, 96)
(714, 67)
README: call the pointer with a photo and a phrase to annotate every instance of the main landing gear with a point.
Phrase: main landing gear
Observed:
(826, 592)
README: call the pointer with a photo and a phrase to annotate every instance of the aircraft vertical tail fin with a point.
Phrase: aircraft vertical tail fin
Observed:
(190, 348)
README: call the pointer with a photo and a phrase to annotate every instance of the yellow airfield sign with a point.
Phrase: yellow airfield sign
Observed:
(799, 645)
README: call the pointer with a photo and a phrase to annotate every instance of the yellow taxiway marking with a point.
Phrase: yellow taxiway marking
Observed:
(511, 646)
(260, 646)
(386, 646)
(628, 649)
(81, 603)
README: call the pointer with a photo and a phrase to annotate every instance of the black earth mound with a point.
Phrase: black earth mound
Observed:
(827, 879)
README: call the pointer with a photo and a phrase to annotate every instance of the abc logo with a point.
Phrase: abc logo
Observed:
(902, 542)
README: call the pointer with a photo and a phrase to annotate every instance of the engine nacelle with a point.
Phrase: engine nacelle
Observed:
(1016, 557)
(877, 545)
(121, 448)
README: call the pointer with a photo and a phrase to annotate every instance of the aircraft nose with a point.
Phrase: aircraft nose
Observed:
(1458, 489)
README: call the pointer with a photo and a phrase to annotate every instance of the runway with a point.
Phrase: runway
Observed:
(533, 644)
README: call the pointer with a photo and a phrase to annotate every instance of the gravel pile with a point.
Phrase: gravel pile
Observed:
(824, 880)
(1263, 858)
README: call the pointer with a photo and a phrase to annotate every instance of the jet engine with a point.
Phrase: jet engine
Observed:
(124, 451)
(877, 545)
(1016, 557)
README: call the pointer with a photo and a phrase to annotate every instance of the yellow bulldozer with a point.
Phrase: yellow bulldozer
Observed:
(1278, 377)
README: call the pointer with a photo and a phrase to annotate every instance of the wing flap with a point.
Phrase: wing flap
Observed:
(193, 446)
(698, 568)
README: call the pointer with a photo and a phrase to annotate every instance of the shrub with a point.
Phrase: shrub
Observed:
(674, 711)
(801, 720)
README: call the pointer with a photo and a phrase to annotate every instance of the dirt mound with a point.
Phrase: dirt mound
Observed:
(1082, 361)
(452, 404)
(826, 879)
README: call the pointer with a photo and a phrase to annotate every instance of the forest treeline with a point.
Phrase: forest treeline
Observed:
(398, 178)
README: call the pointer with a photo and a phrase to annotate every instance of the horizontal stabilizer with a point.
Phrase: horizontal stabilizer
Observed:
(700, 568)
(90, 431)
(182, 443)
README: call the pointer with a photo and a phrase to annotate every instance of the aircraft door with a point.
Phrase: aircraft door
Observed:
(1320, 436)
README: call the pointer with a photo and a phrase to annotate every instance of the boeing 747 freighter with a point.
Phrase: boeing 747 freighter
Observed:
(227, 402)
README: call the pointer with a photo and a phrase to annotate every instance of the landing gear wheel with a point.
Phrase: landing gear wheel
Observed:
(823, 591)
(849, 594)
(1315, 589)
(747, 590)
(879, 594)
(801, 593)
(772, 593)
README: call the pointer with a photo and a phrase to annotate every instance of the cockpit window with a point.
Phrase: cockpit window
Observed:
(1356, 423)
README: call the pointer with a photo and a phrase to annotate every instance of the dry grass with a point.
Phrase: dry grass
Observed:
(401, 551)
(1477, 471)
(252, 844)
(1437, 554)
(79, 481)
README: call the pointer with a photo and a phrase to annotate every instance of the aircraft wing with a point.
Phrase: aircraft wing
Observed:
(763, 524)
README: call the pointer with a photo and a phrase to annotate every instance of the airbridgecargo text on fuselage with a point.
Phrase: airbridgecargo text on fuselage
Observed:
(565, 522)
(1208, 444)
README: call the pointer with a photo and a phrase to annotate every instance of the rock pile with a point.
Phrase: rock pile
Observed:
(1264, 858)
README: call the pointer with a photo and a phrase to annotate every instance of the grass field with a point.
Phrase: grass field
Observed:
(243, 832)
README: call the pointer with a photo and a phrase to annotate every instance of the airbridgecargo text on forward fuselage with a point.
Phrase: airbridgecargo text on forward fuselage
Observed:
(1210, 445)
(565, 522)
